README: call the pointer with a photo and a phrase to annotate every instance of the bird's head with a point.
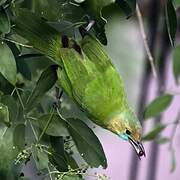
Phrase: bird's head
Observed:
(127, 127)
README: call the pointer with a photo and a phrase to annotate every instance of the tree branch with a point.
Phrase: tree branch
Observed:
(150, 57)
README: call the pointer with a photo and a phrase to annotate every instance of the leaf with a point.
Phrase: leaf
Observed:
(45, 83)
(71, 161)
(154, 133)
(162, 140)
(8, 64)
(57, 127)
(12, 106)
(8, 154)
(176, 63)
(4, 113)
(38, 33)
(2, 2)
(94, 9)
(173, 161)
(40, 157)
(128, 6)
(87, 143)
(19, 136)
(171, 21)
(4, 21)
(158, 105)
(5, 86)
(177, 3)
(58, 155)
(49, 9)
(66, 28)
(23, 67)
(72, 177)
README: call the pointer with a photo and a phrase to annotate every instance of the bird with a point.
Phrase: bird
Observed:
(87, 75)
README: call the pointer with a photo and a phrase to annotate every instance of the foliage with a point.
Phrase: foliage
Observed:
(34, 126)
(158, 105)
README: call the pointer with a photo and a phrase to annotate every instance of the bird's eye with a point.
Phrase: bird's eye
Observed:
(128, 132)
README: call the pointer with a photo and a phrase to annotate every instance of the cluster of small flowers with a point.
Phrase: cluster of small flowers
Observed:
(101, 176)
(79, 172)
(23, 156)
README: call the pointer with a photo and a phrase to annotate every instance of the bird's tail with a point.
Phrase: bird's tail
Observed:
(39, 34)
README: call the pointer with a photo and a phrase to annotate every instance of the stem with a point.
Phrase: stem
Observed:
(33, 130)
(46, 127)
(4, 132)
(176, 123)
(12, 93)
(25, 56)
(19, 97)
(49, 172)
(17, 43)
(150, 57)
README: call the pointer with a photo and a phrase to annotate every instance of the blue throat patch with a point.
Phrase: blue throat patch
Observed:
(124, 137)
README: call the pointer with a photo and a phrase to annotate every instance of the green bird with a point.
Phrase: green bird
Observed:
(87, 75)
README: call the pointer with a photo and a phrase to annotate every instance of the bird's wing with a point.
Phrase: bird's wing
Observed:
(99, 91)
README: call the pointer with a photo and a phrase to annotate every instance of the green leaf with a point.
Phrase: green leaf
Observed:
(66, 28)
(171, 21)
(177, 3)
(72, 177)
(12, 106)
(4, 113)
(2, 2)
(94, 9)
(58, 158)
(128, 6)
(5, 86)
(40, 157)
(4, 21)
(173, 161)
(8, 154)
(23, 68)
(162, 140)
(176, 63)
(49, 9)
(8, 64)
(158, 105)
(57, 127)
(38, 33)
(45, 83)
(19, 136)
(154, 133)
(71, 161)
(87, 143)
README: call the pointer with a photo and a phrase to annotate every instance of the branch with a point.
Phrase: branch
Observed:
(150, 57)
(173, 133)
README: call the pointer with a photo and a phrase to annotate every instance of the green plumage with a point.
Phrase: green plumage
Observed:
(89, 78)
(94, 82)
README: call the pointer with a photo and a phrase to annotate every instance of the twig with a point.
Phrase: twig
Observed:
(18, 43)
(33, 130)
(49, 172)
(176, 123)
(46, 127)
(25, 56)
(150, 57)
(19, 97)
(4, 132)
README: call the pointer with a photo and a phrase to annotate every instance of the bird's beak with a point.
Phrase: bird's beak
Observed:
(138, 147)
